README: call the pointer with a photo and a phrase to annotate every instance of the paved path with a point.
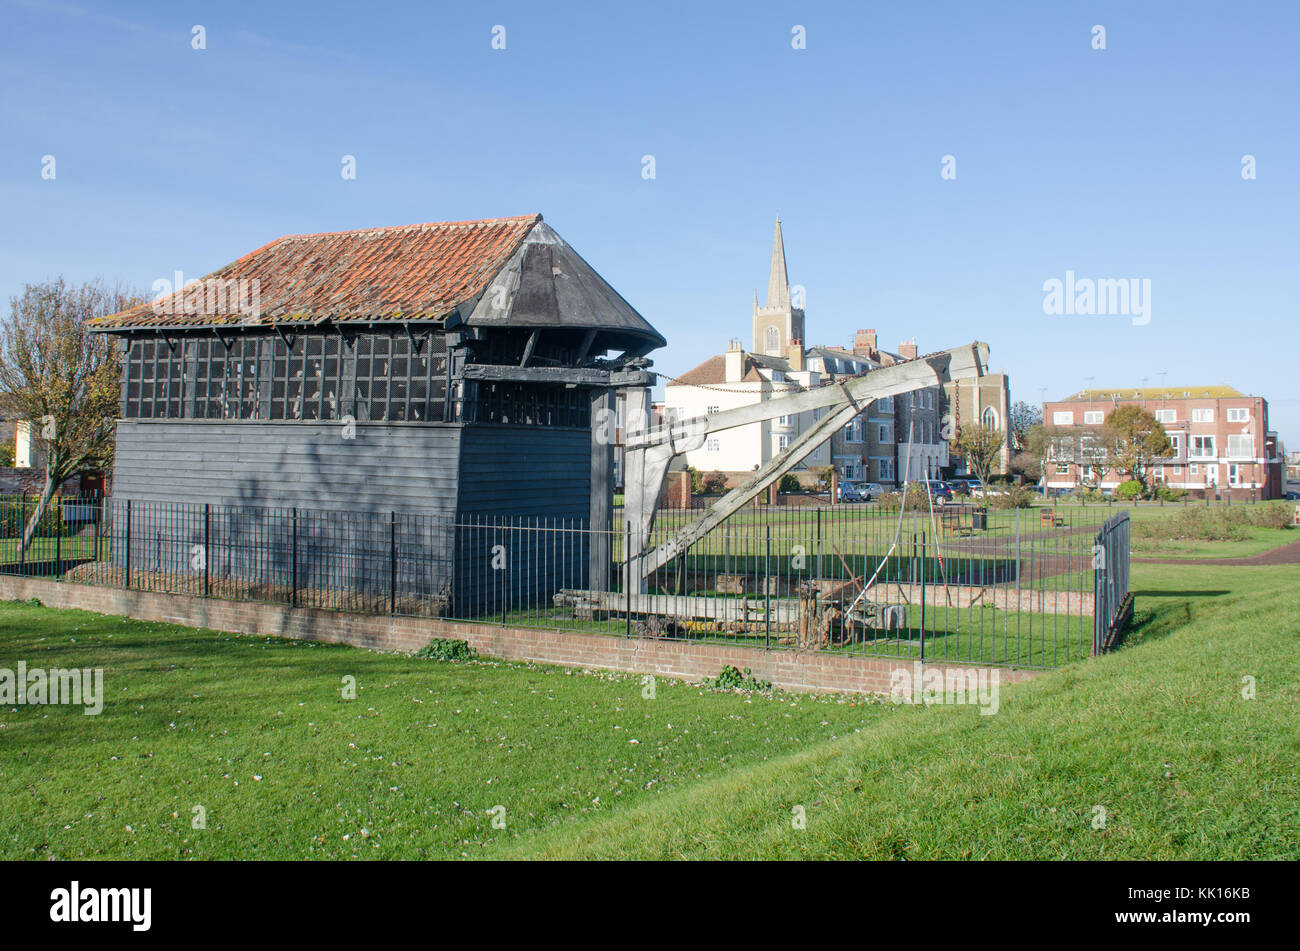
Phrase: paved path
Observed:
(1286, 555)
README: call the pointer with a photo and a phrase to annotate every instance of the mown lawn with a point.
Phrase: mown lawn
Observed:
(1158, 735)
(255, 731)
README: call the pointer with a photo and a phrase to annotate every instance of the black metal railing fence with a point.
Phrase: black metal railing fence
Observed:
(956, 583)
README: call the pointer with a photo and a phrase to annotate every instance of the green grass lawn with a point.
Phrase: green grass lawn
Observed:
(43, 549)
(1157, 734)
(255, 731)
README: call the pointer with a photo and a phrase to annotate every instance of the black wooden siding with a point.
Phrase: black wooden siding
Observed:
(254, 474)
(385, 467)
(528, 490)
(530, 485)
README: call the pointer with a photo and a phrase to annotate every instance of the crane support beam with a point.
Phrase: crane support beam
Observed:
(649, 451)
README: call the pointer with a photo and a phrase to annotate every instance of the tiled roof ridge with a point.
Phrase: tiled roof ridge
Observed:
(392, 229)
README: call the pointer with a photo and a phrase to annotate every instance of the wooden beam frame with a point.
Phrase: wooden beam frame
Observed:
(650, 450)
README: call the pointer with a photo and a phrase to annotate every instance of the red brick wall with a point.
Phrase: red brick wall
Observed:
(791, 670)
(676, 492)
(32, 480)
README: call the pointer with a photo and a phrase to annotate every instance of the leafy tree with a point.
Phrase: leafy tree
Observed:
(1022, 418)
(1048, 444)
(714, 482)
(981, 446)
(62, 378)
(1134, 440)
(1132, 489)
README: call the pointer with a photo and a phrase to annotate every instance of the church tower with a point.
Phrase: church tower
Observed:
(777, 322)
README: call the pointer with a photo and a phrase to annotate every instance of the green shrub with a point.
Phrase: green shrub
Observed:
(1013, 497)
(790, 483)
(729, 678)
(14, 512)
(917, 500)
(713, 483)
(1269, 514)
(1165, 494)
(1087, 493)
(446, 649)
(1130, 490)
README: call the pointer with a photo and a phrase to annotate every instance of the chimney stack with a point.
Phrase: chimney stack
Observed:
(735, 361)
(794, 354)
(907, 349)
(864, 343)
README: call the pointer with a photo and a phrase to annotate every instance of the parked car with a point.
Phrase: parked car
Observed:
(941, 492)
(851, 492)
(971, 484)
(871, 490)
(1293, 496)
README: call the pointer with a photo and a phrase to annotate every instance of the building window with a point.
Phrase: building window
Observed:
(885, 469)
(1202, 447)
(711, 410)
(1241, 446)
(1234, 475)
(885, 404)
(1166, 416)
(990, 418)
(853, 431)
(1238, 414)
(1062, 468)
(783, 420)
(1063, 418)
(772, 340)
(714, 445)
(311, 376)
(885, 433)
(1094, 417)
(1176, 439)
(782, 442)
(1202, 415)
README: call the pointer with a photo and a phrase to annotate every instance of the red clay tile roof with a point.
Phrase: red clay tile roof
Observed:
(403, 273)
(713, 372)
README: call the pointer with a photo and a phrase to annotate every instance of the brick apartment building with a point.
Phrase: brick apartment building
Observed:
(1222, 443)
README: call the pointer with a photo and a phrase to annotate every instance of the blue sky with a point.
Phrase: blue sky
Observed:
(1116, 163)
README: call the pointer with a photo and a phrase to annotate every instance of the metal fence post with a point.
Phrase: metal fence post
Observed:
(392, 562)
(58, 538)
(207, 549)
(924, 572)
(293, 595)
(627, 577)
(128, 543)
(22, 532)
(767, 591)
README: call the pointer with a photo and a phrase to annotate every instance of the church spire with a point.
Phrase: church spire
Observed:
(778, 281)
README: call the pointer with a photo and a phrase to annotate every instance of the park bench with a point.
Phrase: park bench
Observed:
(1051, 518)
